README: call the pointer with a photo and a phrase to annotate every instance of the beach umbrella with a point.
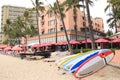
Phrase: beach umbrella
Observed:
(101, 40)
(117, 40)
(61, 43)
(47, 44)
(3, 46)
(35, 45)
(88, 41)
(16, 48)
(7, 48)
(74, 42)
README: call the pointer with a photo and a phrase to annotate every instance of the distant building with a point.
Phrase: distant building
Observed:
(12, 12)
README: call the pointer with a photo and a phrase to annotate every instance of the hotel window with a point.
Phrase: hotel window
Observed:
(95, 24)
(42, 23)
(42, 17)
(43, 31)
(51, 22)
(98, 25)
(51, 30)
(83, 24)
(83, 17)
(51, 14)
(61, 28)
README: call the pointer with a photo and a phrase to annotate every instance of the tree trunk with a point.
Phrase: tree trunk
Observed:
(38, 25)
(56, 31)
(56, 26)
(75, 21)
(90, 26)
(86, 45)
(69, 46)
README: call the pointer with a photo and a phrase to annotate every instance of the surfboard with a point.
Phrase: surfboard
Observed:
(94, 63)
(82, 60)
(66, 66)
(67, 59)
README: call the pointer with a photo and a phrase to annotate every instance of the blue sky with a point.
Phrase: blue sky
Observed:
(96, 11)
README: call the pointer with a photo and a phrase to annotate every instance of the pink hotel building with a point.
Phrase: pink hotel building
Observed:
(48, 30)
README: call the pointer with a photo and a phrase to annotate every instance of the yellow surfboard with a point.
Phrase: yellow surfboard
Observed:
(67, 59)
(60, 64)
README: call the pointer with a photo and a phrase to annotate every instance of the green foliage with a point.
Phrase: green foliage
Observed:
(109, 33)
(20, 27)
(114, 6)
(83, 50)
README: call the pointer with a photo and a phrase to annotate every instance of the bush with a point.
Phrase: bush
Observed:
(79, 50)
(88, 49)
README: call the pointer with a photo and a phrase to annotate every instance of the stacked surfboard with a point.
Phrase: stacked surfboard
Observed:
(82, 65)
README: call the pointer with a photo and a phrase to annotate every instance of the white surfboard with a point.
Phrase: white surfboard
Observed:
(94, 64)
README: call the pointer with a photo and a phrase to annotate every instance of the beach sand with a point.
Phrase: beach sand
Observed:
(14, 68)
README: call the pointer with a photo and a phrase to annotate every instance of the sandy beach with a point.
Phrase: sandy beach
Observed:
(13, 68)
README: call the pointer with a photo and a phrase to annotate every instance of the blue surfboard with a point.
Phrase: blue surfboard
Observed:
(82, 60)
(94, 64)
(66, 66)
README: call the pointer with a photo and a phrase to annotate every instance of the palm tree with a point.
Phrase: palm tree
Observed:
(69, 46)
(74, 4)
(86, 45)
(18, 25)
(54, 10)
(90, 24)
(115, 15)
(109, 33)
(7, 29)
(29, 29)
(39, 8)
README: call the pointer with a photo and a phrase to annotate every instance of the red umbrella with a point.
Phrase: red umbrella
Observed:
(7, 48)
(35, 45)
(3, 46)
(61, 43)
(101, 40)
(16, 48)
(48, 44)
(88, 41)
(117, 40)
(74, 42)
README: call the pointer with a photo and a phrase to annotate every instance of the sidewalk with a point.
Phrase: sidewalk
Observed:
(116, 59)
